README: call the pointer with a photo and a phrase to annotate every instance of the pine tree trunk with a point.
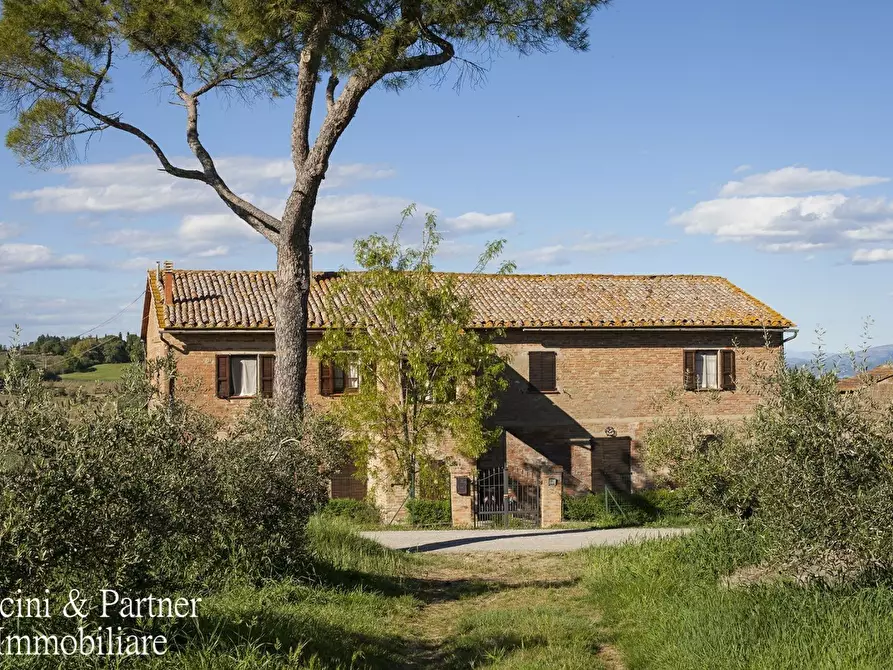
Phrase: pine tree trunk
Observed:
(292, 291)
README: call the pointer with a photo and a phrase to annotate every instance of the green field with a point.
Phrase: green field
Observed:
(106, 372)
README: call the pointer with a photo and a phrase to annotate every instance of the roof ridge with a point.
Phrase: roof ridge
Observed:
(564, 275)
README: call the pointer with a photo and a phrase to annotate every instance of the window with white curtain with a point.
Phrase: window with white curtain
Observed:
(346, 381)
(707, 369)
(243, 373)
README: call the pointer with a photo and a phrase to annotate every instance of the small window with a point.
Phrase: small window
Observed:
(334, 380)
(709, 369)
(245, 376)
(349, 483)
(346, 381)
(542, 375)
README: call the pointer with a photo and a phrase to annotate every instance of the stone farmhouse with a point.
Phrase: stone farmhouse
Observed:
(587, 354)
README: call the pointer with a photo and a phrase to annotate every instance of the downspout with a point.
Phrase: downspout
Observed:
(794, 332)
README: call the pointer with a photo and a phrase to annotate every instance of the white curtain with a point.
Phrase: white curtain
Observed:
(706, 370)
(353, 376)
(244, 373)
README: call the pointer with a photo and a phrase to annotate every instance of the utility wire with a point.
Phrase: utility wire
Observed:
(109, 320)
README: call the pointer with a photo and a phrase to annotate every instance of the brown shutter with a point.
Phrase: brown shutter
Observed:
(688, 370)
(267, 367)
(727, 369)
(542, 370)
(326, 381)
(223, 376)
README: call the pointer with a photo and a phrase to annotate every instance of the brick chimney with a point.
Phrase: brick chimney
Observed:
(168, 283)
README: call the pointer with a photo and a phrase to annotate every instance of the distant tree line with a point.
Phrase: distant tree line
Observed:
(58, 355)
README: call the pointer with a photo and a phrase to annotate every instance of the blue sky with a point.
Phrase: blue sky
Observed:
(750, 140)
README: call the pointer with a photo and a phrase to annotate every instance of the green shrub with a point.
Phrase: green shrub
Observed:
(429, 512)
(358, 511)
(149, 498)
(663, 502)
(812, 468)
(624, 509)
(583, 507)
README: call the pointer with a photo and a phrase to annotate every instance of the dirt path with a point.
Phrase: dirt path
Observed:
(507, 610)
(498, 540)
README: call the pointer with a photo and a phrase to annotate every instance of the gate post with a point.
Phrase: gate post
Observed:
(551, 494)
(461, 504)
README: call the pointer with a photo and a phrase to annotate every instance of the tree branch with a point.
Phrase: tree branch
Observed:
(308, 72)
(330, 91)
(264, 223)
(101, 76)
(424, 61)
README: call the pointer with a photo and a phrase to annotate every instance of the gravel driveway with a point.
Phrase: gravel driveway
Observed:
(463, 541)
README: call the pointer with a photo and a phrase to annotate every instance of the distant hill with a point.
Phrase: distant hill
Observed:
(870, 358)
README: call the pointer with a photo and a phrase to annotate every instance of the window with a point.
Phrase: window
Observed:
(709, 369)
(243, 375)
(334, 380)
(430, 390)
(349, 483)
(542, 375)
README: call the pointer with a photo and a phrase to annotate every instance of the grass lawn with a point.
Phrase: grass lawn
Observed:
(370, 607)
(655, 605)
(106, 372)
(667, 609)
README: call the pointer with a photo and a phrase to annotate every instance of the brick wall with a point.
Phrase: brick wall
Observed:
(608, 382)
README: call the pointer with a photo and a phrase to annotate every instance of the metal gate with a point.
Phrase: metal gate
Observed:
(501, 500)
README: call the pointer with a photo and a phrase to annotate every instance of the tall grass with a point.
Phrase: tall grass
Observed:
(668, 608)
(335, 543)
(345, 616)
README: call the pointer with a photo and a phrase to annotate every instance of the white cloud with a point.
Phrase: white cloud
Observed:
(476, 221)
(344, 175)
(199, 235)
(337, 221)
(42, 313)
(8, 230)
(205, 227)
(23, 257)
(742, 168)
(340, 218)
(214, 252)
(249, 171)
(136, 263)
(793, 180)
(137, 185)
(560, 254)
(749, 218)
(782, 247)
(794, 223)
(872, 256)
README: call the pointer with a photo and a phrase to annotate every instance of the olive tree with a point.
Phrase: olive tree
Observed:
(58, 59)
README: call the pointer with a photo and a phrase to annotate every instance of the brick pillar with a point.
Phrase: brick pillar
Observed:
(551, 489)
(461, 505)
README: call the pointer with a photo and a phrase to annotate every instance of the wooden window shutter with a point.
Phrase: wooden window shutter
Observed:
(267, 370)
(727, 369)
(223, 377)
(326, 378)
(688, 370)
(542, 371)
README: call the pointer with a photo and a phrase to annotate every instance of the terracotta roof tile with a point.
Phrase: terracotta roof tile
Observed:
(245, 299)
(873, 376)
